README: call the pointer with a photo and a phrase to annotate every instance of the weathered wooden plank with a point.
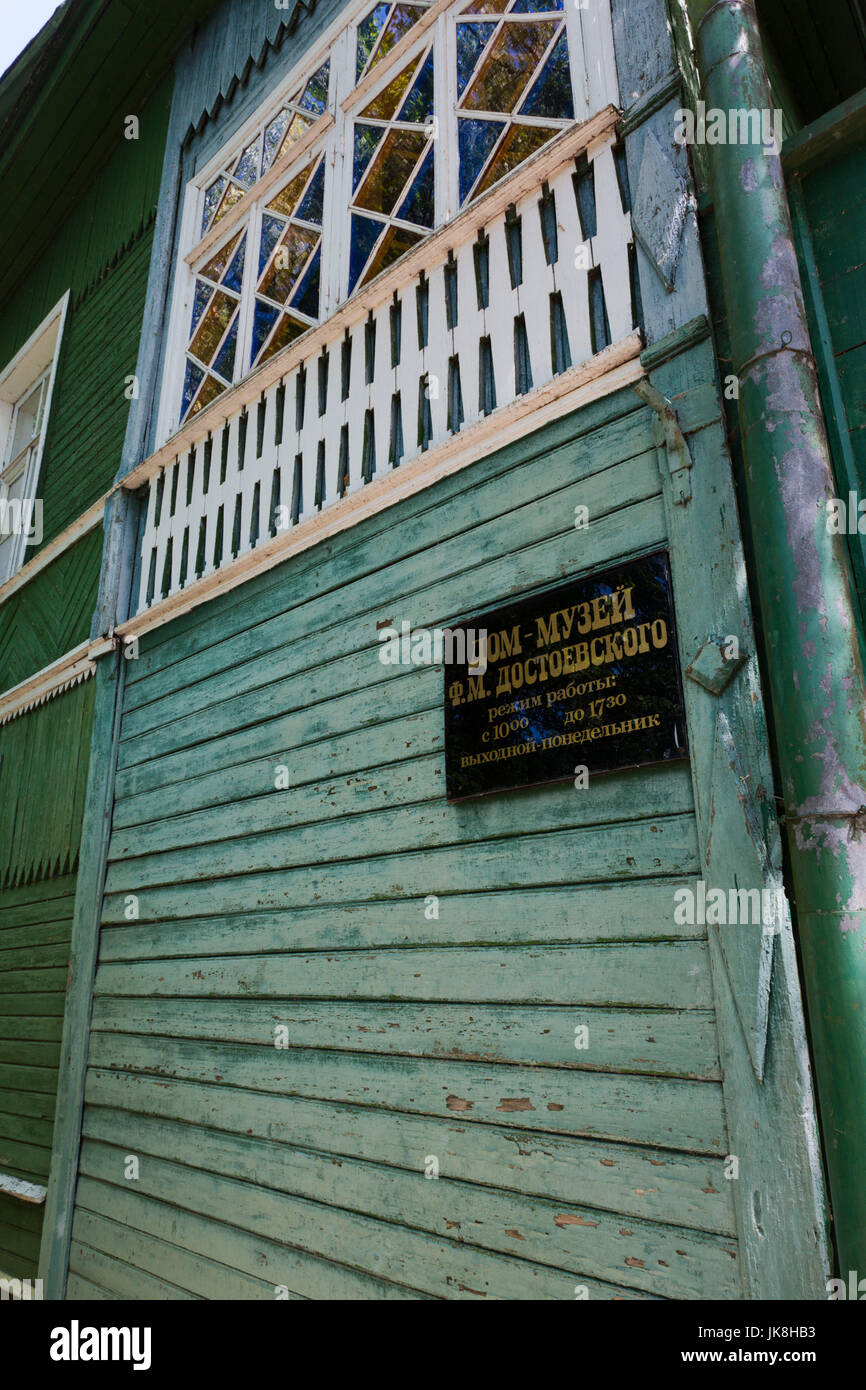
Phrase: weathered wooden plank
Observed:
(669, 1261)
(122, 1279)
(234, 1261)
(638, 1109)
(486, 865)
(626, 850)
(665, 791)
(604, 912)
(444, 1268)
(656, 1041)
(675, 1188)
(638, 974)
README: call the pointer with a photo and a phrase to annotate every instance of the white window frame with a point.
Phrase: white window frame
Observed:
(590, 42)
(35, 362)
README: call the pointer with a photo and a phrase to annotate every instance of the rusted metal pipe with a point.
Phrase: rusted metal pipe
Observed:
(812, 655)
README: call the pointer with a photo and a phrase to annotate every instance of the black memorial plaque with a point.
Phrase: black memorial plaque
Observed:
(584, 675)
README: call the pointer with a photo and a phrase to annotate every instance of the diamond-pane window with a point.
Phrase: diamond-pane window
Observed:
(514, 90)
(393, 176)
(276, 137)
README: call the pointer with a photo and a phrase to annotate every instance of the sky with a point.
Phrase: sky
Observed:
(20, 21)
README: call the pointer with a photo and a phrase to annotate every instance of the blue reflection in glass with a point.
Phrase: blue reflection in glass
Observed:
(306, 297)
(200, 302)
(367, 137)
(418, 105)
(264, 318)
(224, 363)
(368, 32)
(535, 6)
(471, 39)
(271, 228)
(475, 141)
(551, 94)
(310, 208)
(315, 96)
(365, 234)
(418, 205)
(234, 276)
(191, 383)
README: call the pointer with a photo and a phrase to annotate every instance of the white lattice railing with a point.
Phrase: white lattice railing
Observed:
(265, 457)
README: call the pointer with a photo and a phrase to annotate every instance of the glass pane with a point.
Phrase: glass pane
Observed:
(273, 136)
(271, 229)
(312, 203)
(393, 244)
(391, 171)
(299, 126)
(508, 65)
(287, 331)
(200, 301)
(224, 362)
(520, 142)
(306, 297)
(211, 199)
(234, 276)
(367, 138)
(26, 421)
(401, 21)
(286, 200)
(551, 94)
(246, 171)
(475, 139)
(217, 264)
(383, 106)
(535, 6)
(365, 233)
(487, 7)
(369, 30)
(418, 105)
(209, 392)
(191, 383)
(264, 318)
(418, 206)
(471, 40)
(315, 96)
(233, 195)
(295, 247)
(213, 326)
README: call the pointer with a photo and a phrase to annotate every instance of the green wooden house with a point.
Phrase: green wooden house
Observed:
(329, 975)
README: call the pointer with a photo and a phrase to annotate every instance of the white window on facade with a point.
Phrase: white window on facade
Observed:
(25, 398)
(399, 120)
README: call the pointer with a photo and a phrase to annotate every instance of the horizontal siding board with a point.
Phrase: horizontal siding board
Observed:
(642, 911)
(674, 1188)
(638, 1109)
(651, 975)
(409, 1257)
(659, 1041)
(670, 1261)
(416, 788)
(213, 1244)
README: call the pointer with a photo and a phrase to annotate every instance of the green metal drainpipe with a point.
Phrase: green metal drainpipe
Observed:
(813, 661)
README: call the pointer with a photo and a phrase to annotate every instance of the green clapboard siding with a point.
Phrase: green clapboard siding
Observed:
(50, 615)
(43, 776)
(232, 909)
(35, 926)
